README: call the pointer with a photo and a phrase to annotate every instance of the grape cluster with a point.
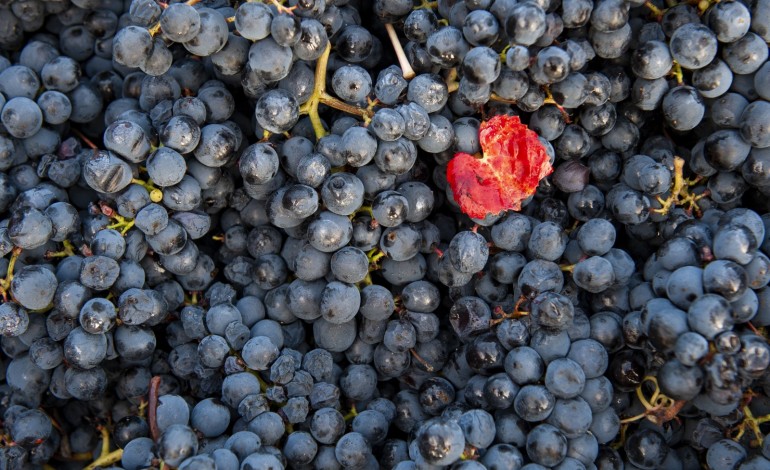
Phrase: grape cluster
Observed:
(230, 242)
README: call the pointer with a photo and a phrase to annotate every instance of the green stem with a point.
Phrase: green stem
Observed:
(106, 460)
(320, 96)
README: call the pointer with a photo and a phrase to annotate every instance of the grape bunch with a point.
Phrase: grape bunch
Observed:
(397, 234)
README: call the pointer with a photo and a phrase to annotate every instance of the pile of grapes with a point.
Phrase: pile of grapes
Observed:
(384, 234)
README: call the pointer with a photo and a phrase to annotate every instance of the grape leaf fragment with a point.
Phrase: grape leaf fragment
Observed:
(512, 163)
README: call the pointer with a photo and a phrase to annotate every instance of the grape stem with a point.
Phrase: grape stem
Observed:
(704, 5)
(375, 255)
(659, 408)
(106, 460)
(5, 284)
(142, 408)
(282, 9)
(288, 426)
(680, 194)
(350, 414)
(366, 281)
(573, 227)
(495, 97)
(67, 250)
(676, 71)
(621, 438)
(451, 80)
(79, 457)
(469, 453)
(406, 67)
(422, 361)
(122, 224)
(152, 408)
(192, 298)
(517, 312)
(156, 195)
(263, 386)
(761, 331)
(320, 96)
(366, 210)
(750, 422)
(85, 139)
(550, 100)
(64, 449)
(155, 29)
(426, 4)
(657, 12)
(105, 440)
(753, 424)
(504, 53)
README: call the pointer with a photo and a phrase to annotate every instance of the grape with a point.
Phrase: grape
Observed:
(546, 445)
(342, 193)
(329, 232)
(300, 448)
(132, 46)
(181, 133)
(563, 379)
(177, 443)
(655, 448)
(349, 265)
(428, 91)
(480, 27)
(372, 424)
(525, 24)
(683, 108)
(440, 441)
(260, 460)
(354, 43)
(313, 40)
(351, 83)
(258, 352)
(211, 35)
(285, 29)
(97, 316)
(688, 34)
(30, 426)
(15, 320)
(33, 287)
(21, 117)
(339, 302)
(172, 410)
(277, 111)
(210, 417)
(388, 124)
(253, 21)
